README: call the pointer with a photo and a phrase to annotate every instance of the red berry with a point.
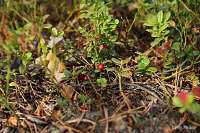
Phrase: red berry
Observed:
(100, 66)
(80, 77)
(182, 96)
(98, 36)
(85, 78)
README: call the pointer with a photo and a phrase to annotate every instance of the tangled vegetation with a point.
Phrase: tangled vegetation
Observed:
(99, 66)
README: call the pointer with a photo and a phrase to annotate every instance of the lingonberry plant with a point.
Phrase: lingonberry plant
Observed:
(103, 24)
(93, 69)
(185, 102)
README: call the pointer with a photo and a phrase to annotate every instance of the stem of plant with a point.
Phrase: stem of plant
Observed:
(165, 91)
(121, 91)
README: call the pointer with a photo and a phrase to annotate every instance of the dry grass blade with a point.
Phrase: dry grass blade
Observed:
(106, 117)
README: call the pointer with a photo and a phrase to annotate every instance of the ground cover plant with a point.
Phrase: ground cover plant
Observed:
(99, 66)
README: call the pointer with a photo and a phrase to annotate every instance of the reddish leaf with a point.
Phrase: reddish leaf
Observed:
(182, 96)
(188, 26)
(196, 91)
(4, 33)
(98, 36)
(22, 39)
(101, 47)
(167, 45)
(161, 51)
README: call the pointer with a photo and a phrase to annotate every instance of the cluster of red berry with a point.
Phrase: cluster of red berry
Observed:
(82, 77)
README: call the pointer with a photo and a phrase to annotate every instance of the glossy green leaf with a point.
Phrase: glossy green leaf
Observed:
(54, 31)
(163, 27)
(42, 41)
(152, 69)
(177, 102)
(190, 99)
(167, 16)
(102, 81)
(67, 72)
(176, 46)
(146, 61)
(45, 17)
(47, 26)
(28, 55)
(125, 69)
(181, 110)
(155, 42)
(155, 34)
(116, 61)
(160, 16)
(125, 61)
(27, 26)
(195, 52)
(111, 69)
(180, 54)
(12, 84)
(30, 38)
(139, 70)
(125, 74)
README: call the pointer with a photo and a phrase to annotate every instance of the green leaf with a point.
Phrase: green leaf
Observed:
(152, 19)
(166, 32)
(102, 81)
(125, 74)
(146, 61)
(155, 42)
(177, 102)
(180, 54)
(54, 31)
(97, 70)
(167, 16)
(139, 71)
(28, 55)
(181, 110)
(112, 38)
(116, 21)
(116, 61)
(142, 66)
(190, 99)
(125, 61)
(42, 42)
(160, 16)
(171, 58)
(155, 34)
(27, 26)
(176, 46)
(30, 38)
(111, 69)
(163, 27)
(45, 17)
(12, 44)
(68, 41)
(152, 69)
(12, 84)
(61, 34)
(67, 72)
(195, 52)
(2, 77)
(126, 69)
(47, 26)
